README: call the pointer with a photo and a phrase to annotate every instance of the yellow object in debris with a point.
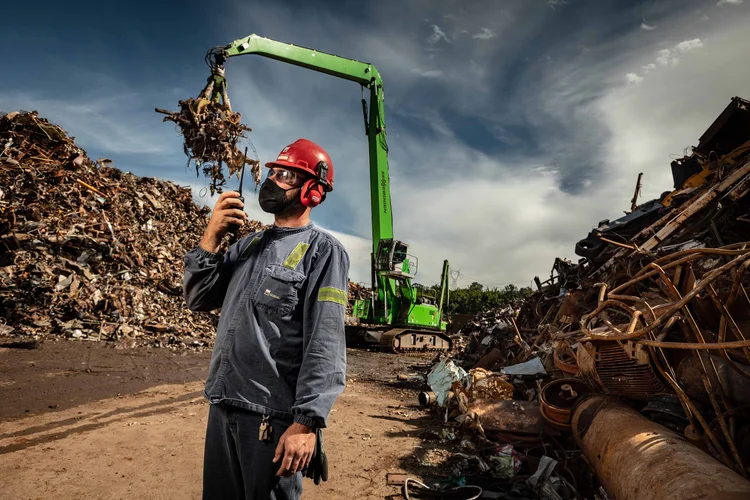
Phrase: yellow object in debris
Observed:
(488, 385)
(699, 179)
(694, 181)
(199, 105)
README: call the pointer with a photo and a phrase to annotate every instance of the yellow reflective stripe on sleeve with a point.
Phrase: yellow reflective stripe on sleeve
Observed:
(330, 294)
(296, 256)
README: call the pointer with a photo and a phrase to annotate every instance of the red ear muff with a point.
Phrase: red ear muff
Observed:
(311, 194)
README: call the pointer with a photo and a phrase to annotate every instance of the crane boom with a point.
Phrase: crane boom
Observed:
(394, 301)
(362, 73)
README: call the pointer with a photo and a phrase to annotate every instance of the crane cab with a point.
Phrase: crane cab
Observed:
(393, 260)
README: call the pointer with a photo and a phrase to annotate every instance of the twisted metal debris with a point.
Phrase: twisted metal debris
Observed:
(211, 133)
(656, 312)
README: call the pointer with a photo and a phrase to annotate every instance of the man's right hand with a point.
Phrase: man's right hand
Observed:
(227, 212)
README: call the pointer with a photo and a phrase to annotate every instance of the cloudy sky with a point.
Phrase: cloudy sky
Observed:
(514, 126)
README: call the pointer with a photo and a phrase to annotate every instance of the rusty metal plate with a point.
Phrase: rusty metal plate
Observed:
(523, 417)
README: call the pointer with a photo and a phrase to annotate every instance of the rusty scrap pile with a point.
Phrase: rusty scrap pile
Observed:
(358, 291)
(211, 133)
(492, 339)
(656, 314)
(355, 291)
(87, 251)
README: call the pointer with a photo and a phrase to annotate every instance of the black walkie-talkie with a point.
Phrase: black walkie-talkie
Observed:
(235, 228)
(242, 175)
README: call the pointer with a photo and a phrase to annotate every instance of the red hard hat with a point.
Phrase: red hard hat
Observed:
(308, 157)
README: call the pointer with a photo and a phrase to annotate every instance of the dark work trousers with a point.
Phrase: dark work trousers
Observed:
(237, 465)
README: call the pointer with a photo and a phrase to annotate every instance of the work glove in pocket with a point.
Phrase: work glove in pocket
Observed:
(318, 468)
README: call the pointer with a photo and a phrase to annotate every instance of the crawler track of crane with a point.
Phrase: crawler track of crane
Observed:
(405, 340)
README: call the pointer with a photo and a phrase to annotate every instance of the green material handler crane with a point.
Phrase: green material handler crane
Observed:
(394, 313)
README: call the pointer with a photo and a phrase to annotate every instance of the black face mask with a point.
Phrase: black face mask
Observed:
(272, 198)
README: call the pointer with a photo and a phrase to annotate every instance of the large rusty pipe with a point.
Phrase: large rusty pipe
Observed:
(637, 459)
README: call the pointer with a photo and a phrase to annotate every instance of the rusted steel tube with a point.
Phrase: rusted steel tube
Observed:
(665, 331)
(737, 283)
(738, 344)
(618, 244)
(602, 292)
(633, 322)
(726, 318)
(637, 459)
(707, 279)
(693, 255)
(646, 306)
(427, 398)
(675, 295)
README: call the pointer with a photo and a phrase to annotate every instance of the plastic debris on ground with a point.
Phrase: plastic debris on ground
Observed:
(442, 377)
(532, 367)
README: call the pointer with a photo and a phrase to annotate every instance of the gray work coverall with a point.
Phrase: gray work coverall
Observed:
(280, 349)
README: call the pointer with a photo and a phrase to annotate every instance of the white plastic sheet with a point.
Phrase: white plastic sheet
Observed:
(533, 366)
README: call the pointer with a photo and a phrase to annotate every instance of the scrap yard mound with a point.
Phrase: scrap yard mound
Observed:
(88, 251)
(632, 363)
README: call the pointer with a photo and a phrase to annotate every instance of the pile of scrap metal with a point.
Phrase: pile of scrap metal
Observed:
(640, 352)
(356, 291)
(90, 252)
(493, 338)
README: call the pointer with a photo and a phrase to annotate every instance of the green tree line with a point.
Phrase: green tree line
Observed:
(476, 298)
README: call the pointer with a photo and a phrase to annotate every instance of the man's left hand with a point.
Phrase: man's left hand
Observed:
(295, 449)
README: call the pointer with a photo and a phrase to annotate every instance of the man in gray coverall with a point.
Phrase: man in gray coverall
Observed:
(279, 361)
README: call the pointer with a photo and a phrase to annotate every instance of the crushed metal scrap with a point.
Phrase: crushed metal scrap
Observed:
(635, 359)
(211, 133)
(88, 251)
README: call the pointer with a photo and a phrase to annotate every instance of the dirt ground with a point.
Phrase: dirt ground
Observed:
(87, 420)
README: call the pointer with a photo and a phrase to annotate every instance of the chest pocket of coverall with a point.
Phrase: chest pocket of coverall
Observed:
(278, 290)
